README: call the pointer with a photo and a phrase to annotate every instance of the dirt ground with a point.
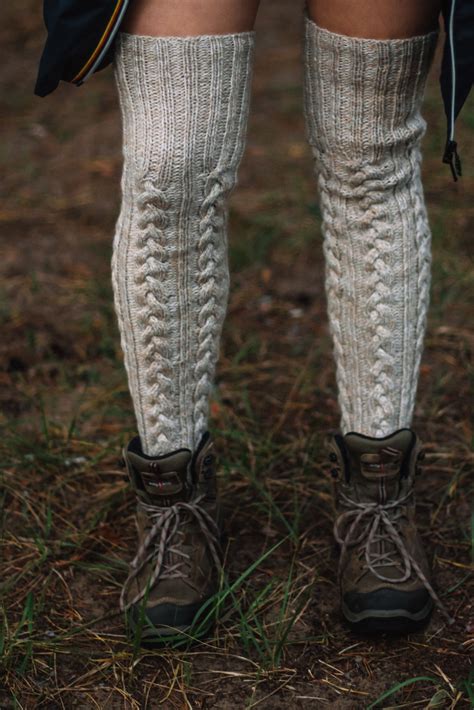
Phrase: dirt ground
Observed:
(67, 523)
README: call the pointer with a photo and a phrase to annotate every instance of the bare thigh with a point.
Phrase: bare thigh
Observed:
(182, 18)
(376, 19)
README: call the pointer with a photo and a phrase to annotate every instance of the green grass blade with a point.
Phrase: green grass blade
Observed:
(401, 685)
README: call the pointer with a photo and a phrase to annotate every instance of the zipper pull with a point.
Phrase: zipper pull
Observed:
(451, 157)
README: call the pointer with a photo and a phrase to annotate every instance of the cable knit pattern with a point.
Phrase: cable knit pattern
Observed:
(155, 318)
(184, 103)
(212, 295)
(362, 108)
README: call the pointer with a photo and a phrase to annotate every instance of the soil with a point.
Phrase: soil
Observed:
(65, 412)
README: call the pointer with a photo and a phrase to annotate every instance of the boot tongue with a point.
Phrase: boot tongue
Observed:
(161, 480)
(376, 461)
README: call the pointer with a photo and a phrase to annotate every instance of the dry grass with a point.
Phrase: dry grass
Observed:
(67, 522)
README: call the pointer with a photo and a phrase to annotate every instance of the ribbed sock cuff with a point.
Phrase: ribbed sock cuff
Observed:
(363, 90)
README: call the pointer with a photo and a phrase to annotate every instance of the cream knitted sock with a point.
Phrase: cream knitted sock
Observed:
(362, 107)
(184, 103)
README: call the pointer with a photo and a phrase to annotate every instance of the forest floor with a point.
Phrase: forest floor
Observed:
(67, 528)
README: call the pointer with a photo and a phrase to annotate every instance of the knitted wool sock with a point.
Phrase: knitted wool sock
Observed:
(184, 104)
(362, 108)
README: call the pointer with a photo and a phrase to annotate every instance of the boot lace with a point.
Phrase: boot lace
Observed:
(163, 540)
(370, 525)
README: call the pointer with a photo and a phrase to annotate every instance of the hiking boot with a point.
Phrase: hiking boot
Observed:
(176, 568)
(384, 574)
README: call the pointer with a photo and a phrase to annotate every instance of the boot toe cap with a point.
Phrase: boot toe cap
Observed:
(167, 619)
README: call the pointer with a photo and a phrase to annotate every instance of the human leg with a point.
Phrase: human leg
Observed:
(363, 100)
(190, 18)
(376, 19)
(363, 97)
(184, 102)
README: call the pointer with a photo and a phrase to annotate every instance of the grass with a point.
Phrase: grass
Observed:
(67, 530)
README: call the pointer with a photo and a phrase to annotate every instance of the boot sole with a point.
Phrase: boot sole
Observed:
(172, 636)
(393, 621)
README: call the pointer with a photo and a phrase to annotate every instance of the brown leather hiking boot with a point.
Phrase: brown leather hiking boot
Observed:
(176, 569)
(384, 574)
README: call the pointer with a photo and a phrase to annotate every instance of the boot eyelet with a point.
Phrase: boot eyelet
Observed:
(332, 457)
(335, 473)
(208, 460)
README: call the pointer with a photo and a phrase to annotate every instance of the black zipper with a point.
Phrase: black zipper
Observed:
(451, 155)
